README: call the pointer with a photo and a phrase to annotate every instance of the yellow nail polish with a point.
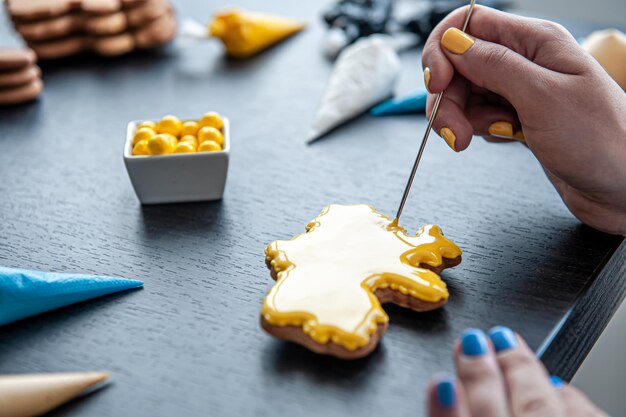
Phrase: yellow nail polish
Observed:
(501, 130)
(519, 135)
(448, 136)
(427, 77)
(456, 41)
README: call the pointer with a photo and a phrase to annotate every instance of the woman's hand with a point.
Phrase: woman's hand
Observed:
(501, 377)
(528, 79)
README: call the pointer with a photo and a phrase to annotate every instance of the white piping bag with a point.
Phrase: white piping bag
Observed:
(364, 75)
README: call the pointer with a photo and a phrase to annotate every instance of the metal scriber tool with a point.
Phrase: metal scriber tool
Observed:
(428, 128)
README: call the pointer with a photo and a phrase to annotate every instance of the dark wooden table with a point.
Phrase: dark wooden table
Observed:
(189, 344)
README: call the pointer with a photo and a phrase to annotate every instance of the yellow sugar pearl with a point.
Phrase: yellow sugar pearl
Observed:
(148, 123)
(161, 144)
(190, 138)
(171, 138)
(190, 128)
(141, 148)
(210, 133)
(170, 124)
(212, 119)
(209, 146)
(185, 147)
(143, 133)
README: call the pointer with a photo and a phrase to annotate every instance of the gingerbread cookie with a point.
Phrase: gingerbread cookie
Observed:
(108, 27)
(57, 27)
(20, 78)
(13, 58)
(109, 24)
(21, 94)
(31, 10)
(332, 280)
(60, 48)
(157, 33)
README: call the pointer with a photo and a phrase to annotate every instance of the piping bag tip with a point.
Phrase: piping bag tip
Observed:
(410, 104)
(36, 394)
(27, 293)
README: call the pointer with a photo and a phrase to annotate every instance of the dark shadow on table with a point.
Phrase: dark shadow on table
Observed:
(136, 60)
(200, 217)
(428, 322)
(27, 330)
(73, 407)
(232, 64)
(288, 358)
(15, 113)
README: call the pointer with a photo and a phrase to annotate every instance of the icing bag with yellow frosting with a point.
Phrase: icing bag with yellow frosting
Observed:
(244, 33)
(328, 280)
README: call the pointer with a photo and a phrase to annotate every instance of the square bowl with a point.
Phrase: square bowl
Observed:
(177, 178)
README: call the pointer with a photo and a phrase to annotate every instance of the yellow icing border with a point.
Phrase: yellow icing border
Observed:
(431, 254)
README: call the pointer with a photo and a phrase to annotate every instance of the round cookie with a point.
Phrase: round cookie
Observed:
(100, 7)
(114, 45)
(19, 77)
(131, 3)
(110, 24)
(60, 48)
(146, 12)
(31, 10)
(157, 33)
(22, 94)
(15, 58)
(44, 30)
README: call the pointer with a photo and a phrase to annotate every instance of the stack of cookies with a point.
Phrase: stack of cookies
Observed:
(20, 78)
(60, 28)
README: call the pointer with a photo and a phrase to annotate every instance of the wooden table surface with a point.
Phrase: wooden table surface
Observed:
(189, 343)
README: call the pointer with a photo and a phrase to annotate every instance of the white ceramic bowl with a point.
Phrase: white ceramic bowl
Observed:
(176, 178)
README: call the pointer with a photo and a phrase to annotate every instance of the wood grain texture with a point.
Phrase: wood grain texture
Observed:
(190, 343)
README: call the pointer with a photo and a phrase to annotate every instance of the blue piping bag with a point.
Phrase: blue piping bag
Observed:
(411, 104)
(24, 293)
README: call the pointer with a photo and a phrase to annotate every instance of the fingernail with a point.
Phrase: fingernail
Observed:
(557, 382)
(519, 135)
(446, 392)
(502, 338)
(456, 41)
(427, 77)
(473, 342)
(501, 130)
(448, 135)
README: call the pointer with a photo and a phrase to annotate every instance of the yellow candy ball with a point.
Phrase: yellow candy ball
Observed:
(210, 133)
(161, 144)
(190, 128)
(190, 138)
(143, 133)
(141, 148)
(209, 146)
(170, 124)
(149, 124)
(212, 119)
(171, 138)
(185, 147)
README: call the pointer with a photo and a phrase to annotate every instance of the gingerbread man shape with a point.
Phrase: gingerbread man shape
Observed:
(331, 280)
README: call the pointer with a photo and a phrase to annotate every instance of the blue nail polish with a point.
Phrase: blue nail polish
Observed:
(473, 342)
(557, 382)
(446, 393)
(502, 338)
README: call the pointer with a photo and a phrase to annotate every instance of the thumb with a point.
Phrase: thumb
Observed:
(495, 67)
